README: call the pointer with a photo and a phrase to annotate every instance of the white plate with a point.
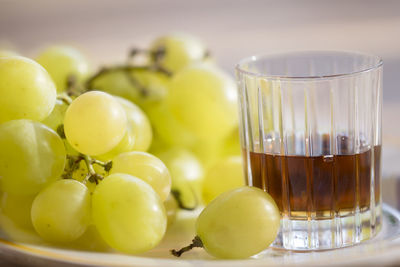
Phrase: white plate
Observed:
(383, 249)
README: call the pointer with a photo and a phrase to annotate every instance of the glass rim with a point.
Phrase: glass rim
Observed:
(254, 58)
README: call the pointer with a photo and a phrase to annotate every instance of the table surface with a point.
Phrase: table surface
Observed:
(105, 30)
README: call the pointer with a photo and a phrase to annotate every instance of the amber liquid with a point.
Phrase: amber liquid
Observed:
(322, 185)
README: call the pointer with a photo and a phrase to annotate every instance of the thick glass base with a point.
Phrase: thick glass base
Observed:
(338, 232)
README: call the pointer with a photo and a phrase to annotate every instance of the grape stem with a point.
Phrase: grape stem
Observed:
(65, 98)
(72, 165)
(196, 243)
(92, 176)
(142, 89)
(106, 165)
(60, 131)
(157, 54)
(124, 68)
(177, 195)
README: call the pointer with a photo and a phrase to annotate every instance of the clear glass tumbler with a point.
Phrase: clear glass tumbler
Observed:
(310, 129)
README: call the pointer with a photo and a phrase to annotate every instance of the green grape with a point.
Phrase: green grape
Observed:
(56, 117)
(186, 173)
(115, 83)
(204, 99)
(155, 86)
(26, 89)
(168, 128)
(208, 152)
(61, 211)
(63, 62)
(15, 218)
(171, 208)
(237, 224)
(225, 175)
(140, 125)
(94, 123)
(146, 167)
(91, 241)
(138, 135)
(157, 144)
(143, 87)
(125, 145)
(13, 232)
(212, 151)
(69, 149)
(7, 53)
(128, 213)
(180, 51)
(31, 156)
(17, 209)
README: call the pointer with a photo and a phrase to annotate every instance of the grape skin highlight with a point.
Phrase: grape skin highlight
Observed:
(27, 91)
(128, 213)
(31, 156)
(95, 123)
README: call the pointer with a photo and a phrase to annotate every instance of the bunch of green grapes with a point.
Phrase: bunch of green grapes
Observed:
(61, 210)
(190, 102)
(62, 188)
(95, 125)
(109, 161)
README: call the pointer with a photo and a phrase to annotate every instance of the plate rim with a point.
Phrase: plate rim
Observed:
(389, 250)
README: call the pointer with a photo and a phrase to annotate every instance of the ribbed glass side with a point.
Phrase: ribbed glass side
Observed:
(311, 137)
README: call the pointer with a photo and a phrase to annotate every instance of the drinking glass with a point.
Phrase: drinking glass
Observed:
(310, 130)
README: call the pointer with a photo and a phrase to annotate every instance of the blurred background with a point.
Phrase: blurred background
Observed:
(106, 30)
